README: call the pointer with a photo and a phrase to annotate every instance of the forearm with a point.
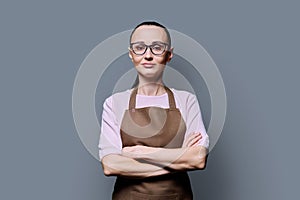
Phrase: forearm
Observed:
(186, 158)
(116, 164)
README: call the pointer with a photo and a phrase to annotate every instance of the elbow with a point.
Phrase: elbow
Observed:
(108, 171)
(198, 164)
(201, 164)
(199, 161)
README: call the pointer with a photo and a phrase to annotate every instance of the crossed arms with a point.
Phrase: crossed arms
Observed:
(143, 161)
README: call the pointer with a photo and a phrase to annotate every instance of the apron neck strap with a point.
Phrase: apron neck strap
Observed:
(132, 100)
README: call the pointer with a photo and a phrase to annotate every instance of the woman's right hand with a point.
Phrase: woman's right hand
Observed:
(192, 140)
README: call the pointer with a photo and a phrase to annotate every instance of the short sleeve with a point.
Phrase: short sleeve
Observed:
(110, 139)
(194, 122)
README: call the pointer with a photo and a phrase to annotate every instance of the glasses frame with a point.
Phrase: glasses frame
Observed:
(150, 46)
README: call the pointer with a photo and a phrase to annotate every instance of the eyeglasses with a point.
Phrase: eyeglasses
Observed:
(157, 48)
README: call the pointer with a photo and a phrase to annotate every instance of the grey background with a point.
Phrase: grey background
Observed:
(255, 44)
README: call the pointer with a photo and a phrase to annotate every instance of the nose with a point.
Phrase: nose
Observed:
(148, 54)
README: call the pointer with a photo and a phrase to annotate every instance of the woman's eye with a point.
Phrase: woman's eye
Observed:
(139, 47)
(157, 47)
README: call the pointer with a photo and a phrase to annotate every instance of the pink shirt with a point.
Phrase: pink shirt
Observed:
(115, 106)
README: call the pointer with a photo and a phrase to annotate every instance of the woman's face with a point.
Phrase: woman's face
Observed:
(148, 65)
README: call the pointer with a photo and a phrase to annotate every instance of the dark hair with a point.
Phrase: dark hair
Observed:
(152, 23)
(149, 23)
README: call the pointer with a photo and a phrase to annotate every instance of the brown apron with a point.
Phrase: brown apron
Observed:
(155, 127)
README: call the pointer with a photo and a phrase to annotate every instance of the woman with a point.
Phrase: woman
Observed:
(152, 135)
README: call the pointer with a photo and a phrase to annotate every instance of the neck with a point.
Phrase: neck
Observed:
(151, 88)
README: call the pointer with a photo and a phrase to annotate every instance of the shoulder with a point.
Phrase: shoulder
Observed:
(118, 97)
(183, 95)
(116, 104)
(184, 99)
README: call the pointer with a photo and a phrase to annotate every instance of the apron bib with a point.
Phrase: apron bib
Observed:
(155, 127)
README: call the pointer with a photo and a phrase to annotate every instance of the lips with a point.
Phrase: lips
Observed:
(148, 65)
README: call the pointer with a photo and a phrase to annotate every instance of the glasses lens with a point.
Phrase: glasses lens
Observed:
(158, 49)
(139, 48)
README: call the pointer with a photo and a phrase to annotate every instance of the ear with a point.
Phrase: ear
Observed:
(129, 53)
(170, 54)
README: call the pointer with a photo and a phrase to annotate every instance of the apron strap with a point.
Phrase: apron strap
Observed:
(132, 100)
